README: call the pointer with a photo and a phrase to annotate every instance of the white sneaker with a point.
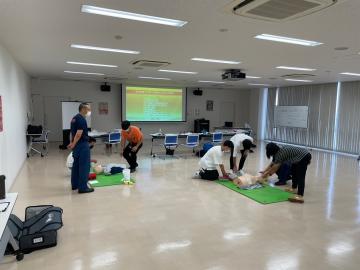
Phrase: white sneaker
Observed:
(232, 176)
(240, 173)
(196, 176)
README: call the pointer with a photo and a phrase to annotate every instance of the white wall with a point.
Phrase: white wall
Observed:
(81, 91)
(241, 99)
(15, 92)
(90, 91)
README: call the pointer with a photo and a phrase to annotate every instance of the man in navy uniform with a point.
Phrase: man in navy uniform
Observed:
(81, 151)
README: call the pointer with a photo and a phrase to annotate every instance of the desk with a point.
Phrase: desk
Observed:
(98, 134)
(108, 138)
(6, 236)
(244, 130)
(158, 136)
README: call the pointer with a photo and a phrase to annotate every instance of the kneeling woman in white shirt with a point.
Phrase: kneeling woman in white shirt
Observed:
(212, 159)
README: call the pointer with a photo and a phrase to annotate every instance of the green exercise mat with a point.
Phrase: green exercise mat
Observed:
(264, 195)
(108, 180)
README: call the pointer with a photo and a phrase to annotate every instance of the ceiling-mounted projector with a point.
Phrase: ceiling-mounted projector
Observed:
(233, 75)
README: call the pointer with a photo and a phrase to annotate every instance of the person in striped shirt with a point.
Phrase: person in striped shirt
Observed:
(299, 158)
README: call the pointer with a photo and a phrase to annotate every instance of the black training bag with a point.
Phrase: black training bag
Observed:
(39, 230)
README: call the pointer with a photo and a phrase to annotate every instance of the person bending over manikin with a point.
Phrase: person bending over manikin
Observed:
(213, 159)
(243, 145)
(299, 159)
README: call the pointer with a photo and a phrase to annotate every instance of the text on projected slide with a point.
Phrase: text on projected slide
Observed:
(154, 104)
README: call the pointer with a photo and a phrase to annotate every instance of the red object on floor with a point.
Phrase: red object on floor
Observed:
(92, 176)
(93, 160)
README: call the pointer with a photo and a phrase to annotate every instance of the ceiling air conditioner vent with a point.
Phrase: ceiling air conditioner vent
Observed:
(277, 10)
(150, 64)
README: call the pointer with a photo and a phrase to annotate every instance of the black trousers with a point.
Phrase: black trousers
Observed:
(299, 174)
(130, 156)
(284, 173)
(209, 175)
(242, 161)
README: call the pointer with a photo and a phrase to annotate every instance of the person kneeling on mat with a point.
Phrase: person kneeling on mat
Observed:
(213, 158)
(299, 158)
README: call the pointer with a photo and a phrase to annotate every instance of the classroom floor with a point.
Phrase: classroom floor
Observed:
(168, 221)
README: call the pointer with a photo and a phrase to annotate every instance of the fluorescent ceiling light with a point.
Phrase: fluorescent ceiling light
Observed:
(211, 82)
(78, 46)
(297, 80)
(90, 64)
(154, 78)
(252, 77)
(216, 61)
(177, 71)
(131, 16)
(350, 74)
(296, 68)
(87, 73)
(259, 84)
(290, 40)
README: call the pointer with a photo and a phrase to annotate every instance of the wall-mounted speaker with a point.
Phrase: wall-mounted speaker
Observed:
(198, 92)
(105, 87)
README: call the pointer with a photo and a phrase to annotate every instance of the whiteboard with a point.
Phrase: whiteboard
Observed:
(291, 116)
(69, 110)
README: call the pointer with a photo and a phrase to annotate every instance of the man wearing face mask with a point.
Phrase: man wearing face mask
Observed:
(134, 137)
(81, 150)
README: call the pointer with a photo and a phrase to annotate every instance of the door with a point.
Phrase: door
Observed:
(37, 110)
(53, 117)
(227, 112)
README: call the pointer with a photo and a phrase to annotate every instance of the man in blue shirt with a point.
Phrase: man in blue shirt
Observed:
(81, 151)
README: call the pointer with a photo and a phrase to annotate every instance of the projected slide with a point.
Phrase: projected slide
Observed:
(154, 104)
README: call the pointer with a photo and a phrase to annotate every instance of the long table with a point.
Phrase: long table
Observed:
(98, 134)
(157, 136)
(245, 130)
(5, 233)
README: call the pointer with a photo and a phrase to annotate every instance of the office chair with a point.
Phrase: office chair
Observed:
(114, 138)
(170, 144)
(217, 138)
(192, 141)
(42, 140)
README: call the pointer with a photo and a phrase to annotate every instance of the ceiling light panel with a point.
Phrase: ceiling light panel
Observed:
(131, 16)
(177, 71)
(215, 61)
(85, 47)
(90, 64)
(296, 68)
(289, 40)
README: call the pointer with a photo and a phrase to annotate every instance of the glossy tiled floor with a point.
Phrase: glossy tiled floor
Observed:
(169, 221)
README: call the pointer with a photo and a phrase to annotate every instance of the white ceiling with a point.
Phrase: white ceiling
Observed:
(39, 33)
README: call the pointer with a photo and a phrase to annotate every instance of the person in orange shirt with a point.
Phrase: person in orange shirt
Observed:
(134, 137)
